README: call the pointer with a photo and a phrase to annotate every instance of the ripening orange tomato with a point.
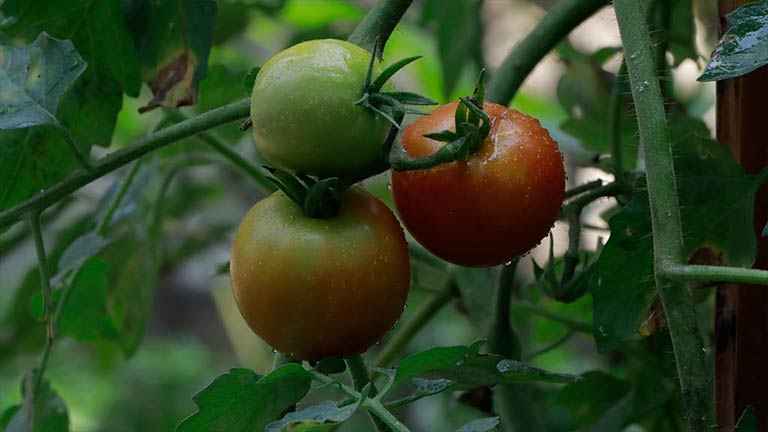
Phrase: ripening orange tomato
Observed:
(315, 288)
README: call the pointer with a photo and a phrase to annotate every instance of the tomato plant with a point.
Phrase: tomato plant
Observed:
(304, 113)
(494, 206)
(317, 288)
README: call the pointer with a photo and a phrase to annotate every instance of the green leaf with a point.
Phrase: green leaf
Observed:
(748, 421)
(765, 231)
(249, 79)
(34, 79)
(87, 316)
(585, 91)
(518, 372)
(589, 399)
(622, 285)
(37, 158)
(325, 416)
(459, 36)
(95, 27)
(173, 41)
(460, 364)
(744, 47)
(44, 411)
(112, 278)
(480, 425)
(243, 401)
(317, 14)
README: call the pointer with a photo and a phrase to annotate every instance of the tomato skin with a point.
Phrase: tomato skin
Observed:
(315, 288)
(304, 113)
(491, 208)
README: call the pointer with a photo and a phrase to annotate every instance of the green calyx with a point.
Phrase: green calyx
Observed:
(390, 105)
(472, 126)
(317, 198)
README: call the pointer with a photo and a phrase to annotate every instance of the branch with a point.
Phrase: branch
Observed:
(707, 273)
(219, 116)
(554, 27)
(379, 23)
(694, 374)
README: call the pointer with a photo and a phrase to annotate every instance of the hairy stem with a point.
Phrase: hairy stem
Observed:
(378, 24)
(361, 378)
(695, 377)
(561, 19)
(707, 273)
(617, 108)
(126, 155)
(408, 330)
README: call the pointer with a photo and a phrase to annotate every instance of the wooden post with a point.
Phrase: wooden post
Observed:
(741, 317)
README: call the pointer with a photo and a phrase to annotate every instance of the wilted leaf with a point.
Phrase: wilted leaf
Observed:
(173, 39)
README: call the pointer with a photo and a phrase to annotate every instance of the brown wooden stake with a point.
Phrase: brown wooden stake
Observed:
(741, 317)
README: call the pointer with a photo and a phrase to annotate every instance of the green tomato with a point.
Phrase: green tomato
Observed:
(304, 113)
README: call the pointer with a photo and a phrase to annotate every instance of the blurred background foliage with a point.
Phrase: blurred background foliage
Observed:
(194, 331)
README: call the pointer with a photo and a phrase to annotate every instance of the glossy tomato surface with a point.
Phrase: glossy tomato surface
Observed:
(304, 113)
(314, 288)
(491, 208)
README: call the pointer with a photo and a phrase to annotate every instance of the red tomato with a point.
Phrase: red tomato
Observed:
(316, 288)
(494, 206)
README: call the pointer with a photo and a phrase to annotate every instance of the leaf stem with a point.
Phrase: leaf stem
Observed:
(45, 284)
(699, 273)
(554, 27)
(616, 110)
(225, 114)
(82, 159)
(371, 405)
(570, 193)
(117, 198)
(408, 330)
(695, 377)
(374, 30)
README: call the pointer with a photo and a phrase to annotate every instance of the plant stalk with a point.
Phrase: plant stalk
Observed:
(554, 27)
(694, 375)
(373, 32)
(708, 273)
(219, 116)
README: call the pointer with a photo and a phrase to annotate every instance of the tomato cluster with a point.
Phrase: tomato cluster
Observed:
(316, 284)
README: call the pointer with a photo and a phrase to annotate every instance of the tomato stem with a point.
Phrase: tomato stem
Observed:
(553, 28)
(374, 30)
(690, 355)
(156, 140)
